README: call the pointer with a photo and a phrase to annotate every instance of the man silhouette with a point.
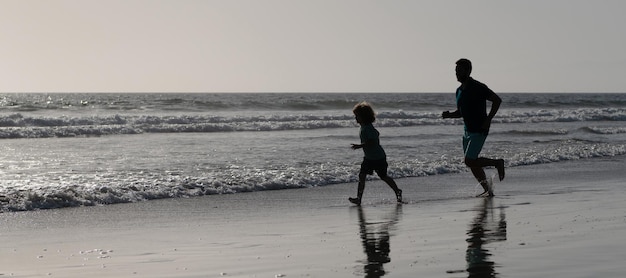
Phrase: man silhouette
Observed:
(471, 102)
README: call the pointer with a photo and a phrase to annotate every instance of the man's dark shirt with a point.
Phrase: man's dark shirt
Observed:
(471, 101)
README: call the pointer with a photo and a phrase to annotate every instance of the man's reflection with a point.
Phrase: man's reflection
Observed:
(484, 229)
(375, 239)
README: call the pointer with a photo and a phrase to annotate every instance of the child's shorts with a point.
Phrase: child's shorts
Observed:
(369, 166)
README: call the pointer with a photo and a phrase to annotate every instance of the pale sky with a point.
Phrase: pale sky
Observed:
(310, 45)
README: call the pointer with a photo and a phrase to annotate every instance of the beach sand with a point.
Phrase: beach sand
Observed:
(553, 220)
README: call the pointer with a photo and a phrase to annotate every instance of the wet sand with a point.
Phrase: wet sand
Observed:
(554, 220)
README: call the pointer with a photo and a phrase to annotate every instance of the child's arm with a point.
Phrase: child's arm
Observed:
(360, 146)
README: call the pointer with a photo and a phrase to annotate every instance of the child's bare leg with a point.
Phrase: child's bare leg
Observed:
(393, 186)
(360, 189)
(390, 182)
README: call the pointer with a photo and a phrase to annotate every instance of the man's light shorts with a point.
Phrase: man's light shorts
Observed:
(473, 143)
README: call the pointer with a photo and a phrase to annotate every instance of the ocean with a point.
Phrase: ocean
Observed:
(65, 150)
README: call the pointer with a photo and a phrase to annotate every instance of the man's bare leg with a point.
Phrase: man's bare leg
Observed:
(484, 162)
(500, 167)
(481, 177)
(476, 165)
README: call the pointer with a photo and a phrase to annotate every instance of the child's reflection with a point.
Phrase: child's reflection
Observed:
(485, 228)
(375, 239)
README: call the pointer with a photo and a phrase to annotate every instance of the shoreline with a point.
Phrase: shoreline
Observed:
(556, 220)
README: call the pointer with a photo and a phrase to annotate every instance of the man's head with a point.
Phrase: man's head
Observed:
(463, 69)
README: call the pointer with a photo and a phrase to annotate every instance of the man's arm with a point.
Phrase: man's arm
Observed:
(448, 114)
(495, 105)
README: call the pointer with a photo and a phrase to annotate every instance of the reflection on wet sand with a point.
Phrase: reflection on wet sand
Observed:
(375, 238)
(484, 229)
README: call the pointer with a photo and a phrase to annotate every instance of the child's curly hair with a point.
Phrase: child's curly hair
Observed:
(365, 111)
